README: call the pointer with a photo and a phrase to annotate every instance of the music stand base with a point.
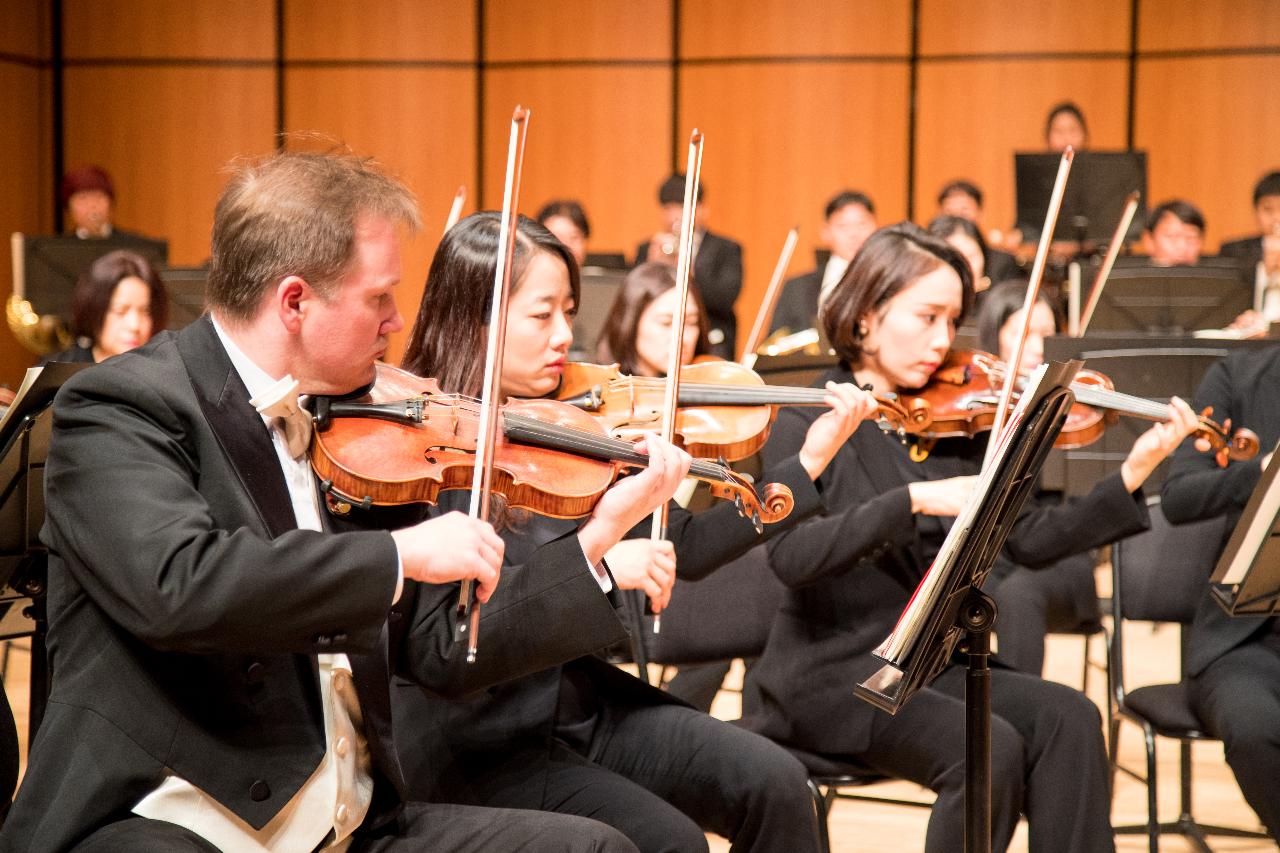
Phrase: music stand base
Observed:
(976, 618)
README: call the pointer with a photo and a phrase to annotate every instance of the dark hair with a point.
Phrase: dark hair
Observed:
(1070, 108)
(962, 187)
(1000, 303)
(1268, 184)
(945, 225)
(295, 213)
(672, 190)
(642, 285)
(448, 337)
(570, 209)
(844, 198)
(1184, 211)
(890, 260)
(93, 291)
(84, 179)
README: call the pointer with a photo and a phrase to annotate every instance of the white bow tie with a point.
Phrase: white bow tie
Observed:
(280, 402)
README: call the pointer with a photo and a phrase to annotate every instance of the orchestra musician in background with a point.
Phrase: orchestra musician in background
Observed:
(851, 571)
(1262, 253)
(964, 199)
(848, 220)
(566, 219)
(717, 262)
(118, 303)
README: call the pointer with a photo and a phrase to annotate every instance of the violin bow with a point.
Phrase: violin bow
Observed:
(455, 210)
(1113, 251)
(468, 626)
(684, 261)
(763, 317)
(1033, 293)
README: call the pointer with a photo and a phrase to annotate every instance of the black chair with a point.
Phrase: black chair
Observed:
(1159, 576)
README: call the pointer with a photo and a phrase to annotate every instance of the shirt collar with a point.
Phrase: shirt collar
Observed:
(256, 380)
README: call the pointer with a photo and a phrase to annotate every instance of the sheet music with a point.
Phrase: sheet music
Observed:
(1260, 514)
(898, 645)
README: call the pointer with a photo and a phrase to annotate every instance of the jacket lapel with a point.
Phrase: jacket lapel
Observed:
(238, 427)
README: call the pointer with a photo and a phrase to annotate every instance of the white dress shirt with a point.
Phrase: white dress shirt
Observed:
(831, 275)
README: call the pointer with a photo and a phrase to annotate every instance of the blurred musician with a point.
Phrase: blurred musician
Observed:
(717, 262)
(566, 219)
(1064, 127)
(1262, 253)
(117, 305)
(964, 199)
(1174, 234)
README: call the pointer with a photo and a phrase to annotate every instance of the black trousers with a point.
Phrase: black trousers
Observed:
(1238, 700)
(1033, 602)
(1047, 762)
(423, 826)
(663, 775)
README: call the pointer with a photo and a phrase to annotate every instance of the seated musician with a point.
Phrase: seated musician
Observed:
(1174, 234)
(585, 737)
(964, 199)
(219, 654)
(1233, 663)
(1263, 251)
(118, 303)
(717, 262)
(849, 219)
(566, 219)
(89, 196)
(1061, 596)
(1064, 126)
(852, 570)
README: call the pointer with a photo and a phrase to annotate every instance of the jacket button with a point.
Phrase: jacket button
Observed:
(259, 791)
(255, 672)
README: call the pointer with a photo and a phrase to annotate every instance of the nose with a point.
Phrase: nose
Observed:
(396, 323)
(562, 332)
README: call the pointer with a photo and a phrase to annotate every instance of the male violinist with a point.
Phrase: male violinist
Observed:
(220, 651)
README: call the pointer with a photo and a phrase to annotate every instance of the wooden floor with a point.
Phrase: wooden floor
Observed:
(869, 828)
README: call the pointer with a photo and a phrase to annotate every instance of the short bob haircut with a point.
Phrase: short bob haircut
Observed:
(891, 260)
(449, 333)
(642, 285)
(1002, 302)
(92, 295)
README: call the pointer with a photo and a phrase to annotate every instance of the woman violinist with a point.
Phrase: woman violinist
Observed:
(1060, 596)
(892, 318)
(586, 738)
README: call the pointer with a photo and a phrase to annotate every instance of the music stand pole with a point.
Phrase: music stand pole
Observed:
(976, 618)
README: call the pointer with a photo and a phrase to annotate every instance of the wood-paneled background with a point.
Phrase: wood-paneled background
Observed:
(796, 100)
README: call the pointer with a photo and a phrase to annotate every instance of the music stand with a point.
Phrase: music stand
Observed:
(1246, 581)
(24, 443)
(950, 601)
(1094, 199)
(1172, 300)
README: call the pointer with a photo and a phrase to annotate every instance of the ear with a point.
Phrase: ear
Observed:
(291, 297)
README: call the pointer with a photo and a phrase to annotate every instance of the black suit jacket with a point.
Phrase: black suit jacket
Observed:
(186, 609)
(851, 571)
(797, 307)
(1245, 389)
(717, 273)
(456, 751)
(1248, 251)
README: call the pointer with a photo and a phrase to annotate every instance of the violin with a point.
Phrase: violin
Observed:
(407, 441)
(961, 400)
(725, 409)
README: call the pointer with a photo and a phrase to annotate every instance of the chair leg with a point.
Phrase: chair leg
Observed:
(822, 808)
(1153, 818)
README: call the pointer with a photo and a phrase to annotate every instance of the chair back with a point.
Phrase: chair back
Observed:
(1161, 574)
(725, 615)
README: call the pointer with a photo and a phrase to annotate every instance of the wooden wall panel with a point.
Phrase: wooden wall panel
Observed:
(1015, 26)
(772, 159)
(973, 116)
(24, 28)
(1212, 130)
(205, 29)
(387, 30)
(727, 28)
(598, 134)
(1207, 24)
(26, 180)
(165, 134)
(419, 122)
(524, 30)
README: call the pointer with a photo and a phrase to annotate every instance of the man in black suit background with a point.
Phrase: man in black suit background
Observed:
(1265, 247)
(219, 649)
(717, 263)
(850, 217)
